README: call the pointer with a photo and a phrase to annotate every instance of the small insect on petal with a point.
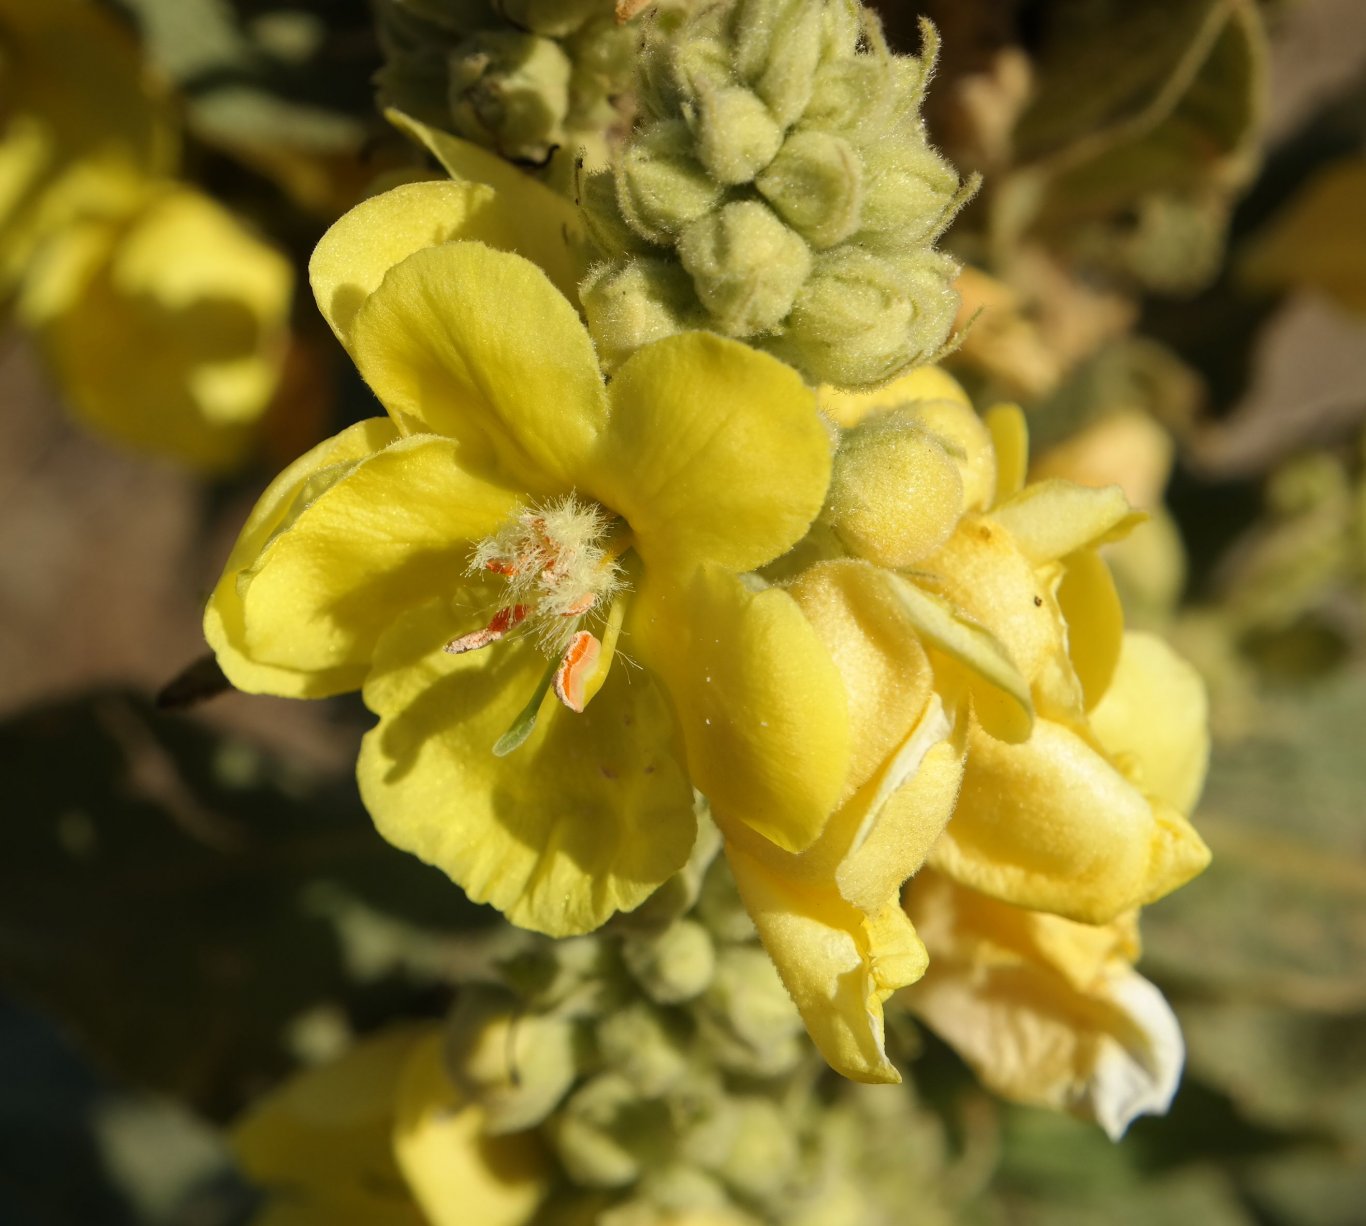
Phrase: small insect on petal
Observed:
(577, 665)
(503, 621)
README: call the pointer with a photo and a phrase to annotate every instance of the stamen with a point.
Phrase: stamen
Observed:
(503, 621)
(578, 664)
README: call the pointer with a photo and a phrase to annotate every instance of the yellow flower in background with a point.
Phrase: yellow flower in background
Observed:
(1046, 1011)
(164, 320)
(380, 1137)
(82, 127)
(166, 327)
(537, 524)
(981, 644)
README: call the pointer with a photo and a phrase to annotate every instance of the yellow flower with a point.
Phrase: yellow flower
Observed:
(166, 326)
(978, 636)
(82, 129)
(1047, 1011)
(380, 1137)
(529, 519)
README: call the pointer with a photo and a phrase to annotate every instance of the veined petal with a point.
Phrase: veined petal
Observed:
(1155, 715)
(1050, 824)
(839, 963)
(283, 501)
(476, 344)
(1050, 519)
(388, 534)
(760, 703)
(586, 818)
(714, 453)
(457, 1173)
(350, 260)
(545, 226)
(1038, 1025)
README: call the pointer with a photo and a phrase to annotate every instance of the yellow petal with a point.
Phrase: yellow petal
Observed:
(714, 453)
(545, 226)
(351, 259)
(1051, 519)
(885, 670)
(457, 1174)
(283, 500)
(476, 344)
(1050, 824)
(320, 1144)
(1090, 606)
(839, 963)
(588, 817)
(984, 576)
(848, 408)
(1010, 441)
(175, 342)
(1103, 1044)
(759, 701)
(985, 669)
(388, 534)
(1155, 715)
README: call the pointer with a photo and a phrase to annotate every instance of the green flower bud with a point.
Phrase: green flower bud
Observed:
(765, 1152)
(816, 185)
(751, 1022)
(862, 320)
(736, 136)
(608, 229)
(776, 47)
(510, 90)
(746, 266)
(661, 186)
(675, 966)
(720, 908)
(681, 60)
(849, 96)
(895, 492)
(633, 304)
(639, 1043)
(551, 18)
(606, 1130)
(516, 1066)
(911, 194)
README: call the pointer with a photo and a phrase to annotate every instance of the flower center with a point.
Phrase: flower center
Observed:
(560, 563)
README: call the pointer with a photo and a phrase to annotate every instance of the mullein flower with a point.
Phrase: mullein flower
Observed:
(778, 187)
(982, 649)
(164, 320)
(476, 560)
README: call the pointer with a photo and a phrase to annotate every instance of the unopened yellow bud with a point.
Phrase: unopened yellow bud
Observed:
(746, 266)
(816, 185)
(910, 193)
(895, 494)
(777, 46)
(637, 1042)
(605, 1129)
(514, 86)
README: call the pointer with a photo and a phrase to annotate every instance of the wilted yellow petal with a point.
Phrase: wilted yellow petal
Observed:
(1095, 622)
(1010, 441)
(1051, 519)
(1050, 824)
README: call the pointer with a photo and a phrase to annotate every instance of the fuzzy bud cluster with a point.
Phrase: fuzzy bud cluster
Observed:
(524, 78)
(778, 187)
(664, 1066)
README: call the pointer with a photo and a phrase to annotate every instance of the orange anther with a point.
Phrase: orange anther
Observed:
(577, 664)
(503, 621)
